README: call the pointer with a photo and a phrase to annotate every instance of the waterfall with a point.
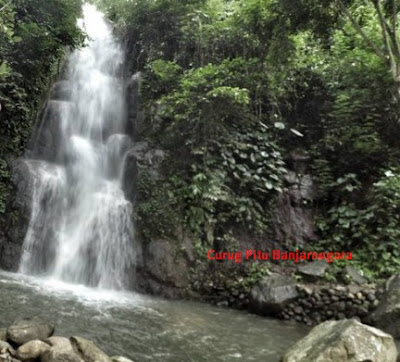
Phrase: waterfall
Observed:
(81, 229)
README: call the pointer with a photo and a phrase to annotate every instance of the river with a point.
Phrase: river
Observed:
(144, 328)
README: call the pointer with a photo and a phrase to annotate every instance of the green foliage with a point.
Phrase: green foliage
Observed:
(34, 35)
(372, 232)
(255, 273)
(157, 212)
(236, 167)
(38, 33)
(232, 87)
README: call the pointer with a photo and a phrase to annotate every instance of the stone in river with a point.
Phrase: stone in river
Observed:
(343, 341)
(88, 351)
(28, 329)
(61, 351)
(5, 347)
(3, 334)
(60, 343)
(120, 359)
(32, 350)
(59, 355)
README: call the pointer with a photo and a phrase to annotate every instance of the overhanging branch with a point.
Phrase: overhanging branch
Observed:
(3, 8)
(385, 32)
(359, 30)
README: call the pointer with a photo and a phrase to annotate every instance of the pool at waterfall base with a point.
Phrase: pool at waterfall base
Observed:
(144, 328)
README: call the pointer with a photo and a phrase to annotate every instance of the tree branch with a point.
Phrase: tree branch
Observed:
(1, 9)
(395, 38)
(385, 29)
(391, 30)
(358, 28)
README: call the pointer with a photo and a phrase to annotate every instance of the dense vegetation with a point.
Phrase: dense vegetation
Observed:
(34, 36)
(231, 87)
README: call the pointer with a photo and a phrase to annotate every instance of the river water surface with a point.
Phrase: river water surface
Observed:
(144, 328)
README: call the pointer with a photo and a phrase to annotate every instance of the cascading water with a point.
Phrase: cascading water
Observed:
(80, 229)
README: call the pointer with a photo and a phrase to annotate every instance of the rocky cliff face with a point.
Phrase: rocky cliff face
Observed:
(15, 222)
(293, 221)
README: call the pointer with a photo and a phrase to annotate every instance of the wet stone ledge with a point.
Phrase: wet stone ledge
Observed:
(316, 304)
(310, 304)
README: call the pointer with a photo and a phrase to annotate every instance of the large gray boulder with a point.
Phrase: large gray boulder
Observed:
(32, 350)
(28, 329)
(355, 275)
(60, 343)
(343, 341)
(61, 351)
(56, 355)
(315, 269)
(88, 351)
(387, 315)
(165, 270)
(272, 294)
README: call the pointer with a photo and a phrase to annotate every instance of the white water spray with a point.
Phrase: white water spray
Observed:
(80, 229)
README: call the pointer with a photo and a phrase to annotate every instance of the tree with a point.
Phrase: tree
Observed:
(364, 16)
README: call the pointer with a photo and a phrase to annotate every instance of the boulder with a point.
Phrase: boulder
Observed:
(60, 343)
(3, 334)
(5, 347)
(29, 329)
(387, 315)
(61, 351)
(355, 275)
(120, 359)
(272, 294)
(165, 270)
(32, 350)
(343, 341)
(315, 269)
(88, 351)
(56, 355)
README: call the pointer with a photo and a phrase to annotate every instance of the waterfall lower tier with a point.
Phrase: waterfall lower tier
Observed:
(81, 229)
